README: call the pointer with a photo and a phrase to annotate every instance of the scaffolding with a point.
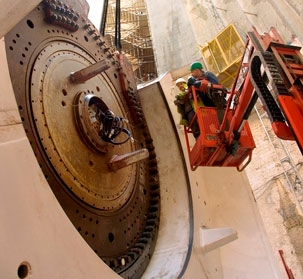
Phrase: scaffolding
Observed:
(136, 39)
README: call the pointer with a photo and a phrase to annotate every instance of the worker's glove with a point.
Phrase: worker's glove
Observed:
(184, 122)
(197, 84)
(191, 81)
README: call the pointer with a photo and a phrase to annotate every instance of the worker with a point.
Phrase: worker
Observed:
(185, 106)
(181, 101)
(182, 85)
(198, 74)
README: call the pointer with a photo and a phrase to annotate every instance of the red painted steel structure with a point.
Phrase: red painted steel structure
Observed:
(229, 142)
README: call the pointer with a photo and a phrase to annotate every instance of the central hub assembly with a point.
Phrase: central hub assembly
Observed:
(88, 109)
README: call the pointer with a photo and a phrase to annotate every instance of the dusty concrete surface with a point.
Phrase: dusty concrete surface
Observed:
(179, 27)
(275, 175)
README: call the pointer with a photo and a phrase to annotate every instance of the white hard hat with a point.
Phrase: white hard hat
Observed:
(179, 80)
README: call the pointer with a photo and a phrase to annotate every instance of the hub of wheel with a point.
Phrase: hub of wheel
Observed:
(86, 108)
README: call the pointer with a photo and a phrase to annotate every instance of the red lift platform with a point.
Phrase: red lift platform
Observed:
(210, 148)
(270, 70)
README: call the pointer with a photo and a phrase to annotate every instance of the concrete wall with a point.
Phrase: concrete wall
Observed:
(178, 27)
(275, 176)
(173, 36)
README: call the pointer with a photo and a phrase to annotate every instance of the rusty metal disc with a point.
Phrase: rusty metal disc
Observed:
(116, 212)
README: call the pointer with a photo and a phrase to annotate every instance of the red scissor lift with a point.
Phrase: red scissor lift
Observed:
(270, 70)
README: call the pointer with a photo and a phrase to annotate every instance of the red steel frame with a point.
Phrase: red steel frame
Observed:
(211, 147)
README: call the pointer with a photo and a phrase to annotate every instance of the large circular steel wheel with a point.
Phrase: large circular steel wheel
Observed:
(116, 211)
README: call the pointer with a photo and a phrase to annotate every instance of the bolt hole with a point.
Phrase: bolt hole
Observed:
(85, 38)
(30, 24)
(64, 92)
(111, 237)
(63, 103)
(23, 270)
